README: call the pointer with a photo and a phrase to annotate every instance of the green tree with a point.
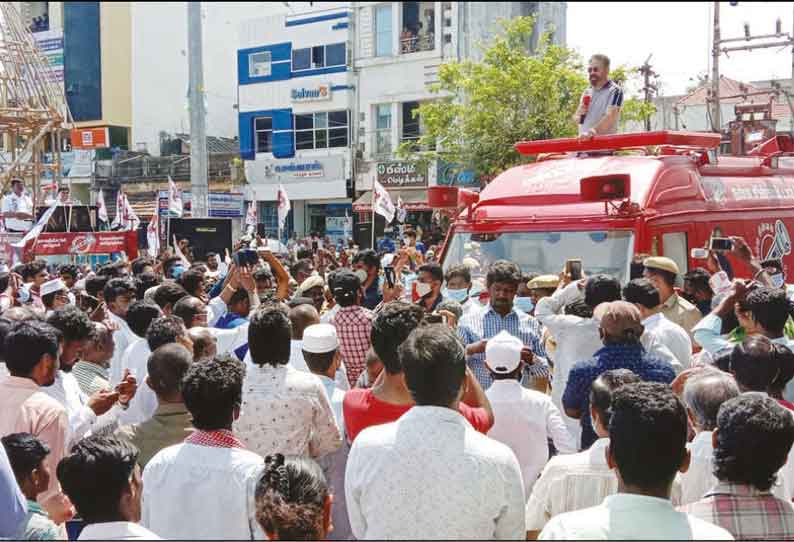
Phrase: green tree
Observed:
(485, 107)
(634, 107)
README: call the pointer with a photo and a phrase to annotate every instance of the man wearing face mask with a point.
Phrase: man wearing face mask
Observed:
(538, 288)
(428, 286)
(367, 269)
(458, 280)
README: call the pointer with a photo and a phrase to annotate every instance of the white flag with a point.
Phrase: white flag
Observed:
(131, 220)
(283, 206)
(250, 218)
(37, 229)
(382, 203)
(118, 220)
(401, 212)
(153, 233)
(174, 198)
(102, 210)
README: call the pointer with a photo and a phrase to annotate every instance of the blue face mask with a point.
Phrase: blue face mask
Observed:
(177, 271)
(524, 304)
(457, 295)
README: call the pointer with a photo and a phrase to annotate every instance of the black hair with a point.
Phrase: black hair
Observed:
(95, 285)
(754, 437)
(68, 269)
(191, 281)
(699, 279)
(770, 308)
(211, 391)
(346, 286)
(579, 308)
(33, 268)
(785, 363)
(49, 299)
(239, 295)
(368, 257)
(433, 269)
(270, 335)
(164, 330)
(139, 264)
(187, 309)
(319, 362)
(297, 301)
(27, 342)
(434, 362)
(390, 328)
(503, 271)
(754, 364)
(209, 255)
(25, 454)
(97, 458)
(74, 324)
(117, 287)
(290, 498)
(458, 271)
(642, 292)
(647, 434)
(111, 270)
(4, 278)
(144, 281)
(168, 293)
(603, 387)
(167, 366)
(5, 326)
(140, 315)
(303, 265)
(601, 289)
(263, 274)
(667, 276)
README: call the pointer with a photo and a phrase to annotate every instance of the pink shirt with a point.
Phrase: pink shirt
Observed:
(26, 409)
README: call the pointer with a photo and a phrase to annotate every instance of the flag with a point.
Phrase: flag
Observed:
(131, 220)
(283, 206)
(37, 229)
(153, 232)
(382, 203)
(118, 220)
(401, 212)
(102, 210)
(174, 198)
(250, 218)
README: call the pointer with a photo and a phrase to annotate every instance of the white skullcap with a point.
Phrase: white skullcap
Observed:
(320, 339)
(503, 353)
(52, 286)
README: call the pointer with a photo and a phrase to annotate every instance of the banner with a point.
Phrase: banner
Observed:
(284, 206)
(382, 203)
(174, 199)
(50, 244)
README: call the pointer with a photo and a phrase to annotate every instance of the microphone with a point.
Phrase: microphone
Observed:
(586, 102)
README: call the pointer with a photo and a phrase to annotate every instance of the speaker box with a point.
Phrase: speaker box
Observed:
(82, 218)
(205, 234)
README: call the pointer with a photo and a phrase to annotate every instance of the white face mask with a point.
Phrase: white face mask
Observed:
(422, 288)
(361, 274)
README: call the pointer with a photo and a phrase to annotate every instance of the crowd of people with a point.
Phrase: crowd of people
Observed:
(328, 392)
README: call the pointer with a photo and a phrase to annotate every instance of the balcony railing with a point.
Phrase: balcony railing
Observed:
(141, 168)
(413, 43)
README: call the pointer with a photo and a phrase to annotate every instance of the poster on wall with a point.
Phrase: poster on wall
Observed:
(50, 43)
(339, 228)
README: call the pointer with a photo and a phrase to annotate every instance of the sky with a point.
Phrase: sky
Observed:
(678, 34)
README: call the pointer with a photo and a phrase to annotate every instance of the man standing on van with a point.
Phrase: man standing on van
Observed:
(599, 107)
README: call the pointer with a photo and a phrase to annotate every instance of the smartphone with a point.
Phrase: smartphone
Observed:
(574, 269)
(434, 318)
(246, 256)
(721, 244)
(389, 271)
(699, 254)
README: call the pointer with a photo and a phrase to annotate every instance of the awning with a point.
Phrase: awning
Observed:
(414, 200)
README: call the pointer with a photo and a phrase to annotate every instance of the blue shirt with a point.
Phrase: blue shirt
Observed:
(231, 320)
(485, 323)
(616, 356)
(372, 295)
(13, 505)
(386, 245)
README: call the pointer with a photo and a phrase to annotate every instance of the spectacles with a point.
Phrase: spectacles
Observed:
(589, 70)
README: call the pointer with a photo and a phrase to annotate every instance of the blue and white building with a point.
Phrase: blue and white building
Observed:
(297, 101)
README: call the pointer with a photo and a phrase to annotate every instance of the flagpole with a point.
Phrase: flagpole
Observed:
(372, 204)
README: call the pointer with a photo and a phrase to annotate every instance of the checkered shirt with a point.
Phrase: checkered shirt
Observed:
(353, 326)
(222, 438)
(486, 323)
(746, 512)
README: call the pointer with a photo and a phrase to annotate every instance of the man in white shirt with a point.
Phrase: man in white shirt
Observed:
(524, 419)
(283, 410)
(647, 447)
(302, 317)
(18, 208)
(320, 348)
(103, 480)
(119, 294)
(195, 313)
(644, 295)
(205, 487)
(437, 476)
(576, 481)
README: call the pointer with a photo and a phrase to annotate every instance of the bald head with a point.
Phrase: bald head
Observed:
(704, 393)
(205, 346)
(302, 317)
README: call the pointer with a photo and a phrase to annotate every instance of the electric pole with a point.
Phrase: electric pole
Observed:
(649, 87)
(199, 187)
(715, 72)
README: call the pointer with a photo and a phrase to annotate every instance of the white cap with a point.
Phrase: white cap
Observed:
(52, 286)
(320, 339)
(503, 353)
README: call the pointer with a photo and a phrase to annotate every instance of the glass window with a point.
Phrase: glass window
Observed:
(263, 130)
(418, 32)
(321, 130)
(318, 56)
(301, 59)
(674, 245)
(259, 64)
(383, 129)
(321, 120)
(304, 140)
(335, 55)
(383, 30)
(304, 122)
(411, 130)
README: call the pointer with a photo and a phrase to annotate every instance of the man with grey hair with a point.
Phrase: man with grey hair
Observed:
(599, 108)
(92, 371)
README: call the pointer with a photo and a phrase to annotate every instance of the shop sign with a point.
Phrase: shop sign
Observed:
(49, 244)
(296, 169)
(450, 174)
(90, 138)
(402, 175)
(319, 93)
(221, 205)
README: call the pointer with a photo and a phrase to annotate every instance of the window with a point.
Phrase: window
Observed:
(675, 248)
(263, 129)
(259, 64)
(321, 130)
(383, 30)
(383, 129)
(411, 128)
(419, 27)
(320, 56)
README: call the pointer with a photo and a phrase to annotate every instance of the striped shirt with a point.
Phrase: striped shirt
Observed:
(91, 377)
(485, 323)
(601, 99)
(746, 512)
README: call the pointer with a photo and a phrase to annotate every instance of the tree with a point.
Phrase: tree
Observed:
(485, 108)
(635, 109)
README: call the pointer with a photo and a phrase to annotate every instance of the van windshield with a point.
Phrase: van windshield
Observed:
(608, 252)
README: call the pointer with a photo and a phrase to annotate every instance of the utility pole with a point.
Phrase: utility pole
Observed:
(715, 72)
(649, 87)
(199, 187)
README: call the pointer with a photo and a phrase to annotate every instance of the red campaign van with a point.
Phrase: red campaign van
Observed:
(607, 199)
